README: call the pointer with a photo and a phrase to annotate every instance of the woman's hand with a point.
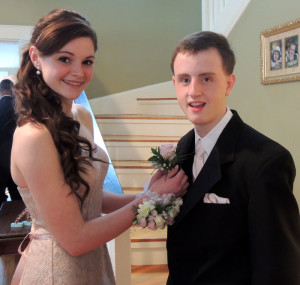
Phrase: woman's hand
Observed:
(174, 182)
(158, 174)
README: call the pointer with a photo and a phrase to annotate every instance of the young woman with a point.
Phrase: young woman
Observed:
(58, 168)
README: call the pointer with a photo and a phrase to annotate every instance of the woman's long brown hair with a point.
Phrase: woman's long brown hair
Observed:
(37, 103)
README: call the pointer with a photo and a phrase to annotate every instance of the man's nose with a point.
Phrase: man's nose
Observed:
(195, 88)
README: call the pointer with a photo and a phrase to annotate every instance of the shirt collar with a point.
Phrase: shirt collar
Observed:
(211, 138)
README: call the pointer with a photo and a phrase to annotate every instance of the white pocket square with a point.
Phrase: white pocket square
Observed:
(212, 198)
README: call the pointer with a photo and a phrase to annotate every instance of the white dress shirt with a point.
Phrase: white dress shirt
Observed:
(211, 138)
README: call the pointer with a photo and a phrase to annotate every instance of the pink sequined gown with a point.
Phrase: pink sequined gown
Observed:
(48, 262)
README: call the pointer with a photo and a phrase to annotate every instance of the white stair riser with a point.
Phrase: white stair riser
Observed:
(132, 150)
(170, 108)
(133, 177)
(146, 128)
(148, 253)
(129, 152)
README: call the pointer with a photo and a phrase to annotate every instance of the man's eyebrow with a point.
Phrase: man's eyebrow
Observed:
(200, 74)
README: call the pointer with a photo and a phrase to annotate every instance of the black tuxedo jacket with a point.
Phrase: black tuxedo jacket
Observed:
(7, 128)
(253, 240)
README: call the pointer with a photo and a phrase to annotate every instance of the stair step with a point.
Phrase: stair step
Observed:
(149, 269)
(143, 125)
(134, 147)
(148, 246)
(132, 164)
(139, 117)
(132, 190)
(158, 139)
(157, 106)
(138, 234)
(133, 173)
(157, 99)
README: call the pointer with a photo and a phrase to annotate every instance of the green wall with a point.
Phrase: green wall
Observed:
(136, 37)
(272, 109)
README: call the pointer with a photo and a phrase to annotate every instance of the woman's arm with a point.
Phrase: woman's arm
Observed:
(112, 201)
(36, 165)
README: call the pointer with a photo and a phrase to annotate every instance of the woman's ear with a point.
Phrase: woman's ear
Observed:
(34, 56)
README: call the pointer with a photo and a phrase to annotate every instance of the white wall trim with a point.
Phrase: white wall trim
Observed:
(220, 16)
(15, 32)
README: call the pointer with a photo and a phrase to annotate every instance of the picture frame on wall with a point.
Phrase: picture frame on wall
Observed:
(280, 59)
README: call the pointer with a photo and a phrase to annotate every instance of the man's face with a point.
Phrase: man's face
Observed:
(201, 87)
(292, 50)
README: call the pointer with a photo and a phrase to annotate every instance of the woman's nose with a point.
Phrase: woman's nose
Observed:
(77, 70)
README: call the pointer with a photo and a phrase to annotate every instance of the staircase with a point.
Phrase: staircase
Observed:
(128, 139)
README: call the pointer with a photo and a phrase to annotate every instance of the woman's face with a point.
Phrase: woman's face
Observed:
(276, 55)
(69, 70)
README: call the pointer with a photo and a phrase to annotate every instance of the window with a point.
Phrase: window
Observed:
(9, 54)
(12, 40)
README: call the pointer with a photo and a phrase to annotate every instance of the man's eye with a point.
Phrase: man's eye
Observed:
(206, 79)
(64, 59)
(185, 80)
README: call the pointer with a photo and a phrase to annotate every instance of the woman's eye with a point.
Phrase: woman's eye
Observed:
(64, 59)
(88, 62)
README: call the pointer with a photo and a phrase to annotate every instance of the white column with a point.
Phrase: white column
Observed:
(119, 251)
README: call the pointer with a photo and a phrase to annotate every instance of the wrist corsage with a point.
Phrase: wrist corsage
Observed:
(157, 211)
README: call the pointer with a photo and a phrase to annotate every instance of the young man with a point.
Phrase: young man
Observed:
(239, 223)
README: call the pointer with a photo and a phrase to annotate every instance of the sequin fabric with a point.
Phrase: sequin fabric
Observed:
(48, 262)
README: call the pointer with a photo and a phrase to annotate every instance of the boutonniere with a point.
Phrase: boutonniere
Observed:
(165, 157)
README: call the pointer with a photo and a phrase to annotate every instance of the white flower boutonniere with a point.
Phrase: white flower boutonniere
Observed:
(165, 157)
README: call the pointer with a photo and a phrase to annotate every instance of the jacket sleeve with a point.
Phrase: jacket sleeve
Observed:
(7, 119)
(274, 224)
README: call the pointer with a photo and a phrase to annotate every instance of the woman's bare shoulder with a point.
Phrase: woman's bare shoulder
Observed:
(84, 116)
(32, 147)
(30, 132)
(80, 112)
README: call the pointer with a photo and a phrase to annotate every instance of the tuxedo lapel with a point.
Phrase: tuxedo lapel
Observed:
(223, 152)
(207, 178)
(186, 148)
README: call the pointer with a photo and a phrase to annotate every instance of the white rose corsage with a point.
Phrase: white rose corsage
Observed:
(158, 211)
